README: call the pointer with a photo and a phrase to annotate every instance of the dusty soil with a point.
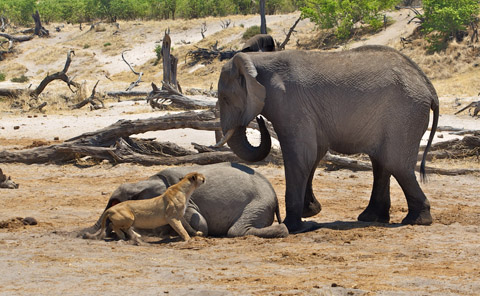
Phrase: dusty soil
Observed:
(343, 257)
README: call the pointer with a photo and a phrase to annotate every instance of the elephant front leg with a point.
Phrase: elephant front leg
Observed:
(378, 209)
(197, 224)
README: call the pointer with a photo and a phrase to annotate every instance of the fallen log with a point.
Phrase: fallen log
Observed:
(177, 99)
(17, 38)
(357, 165)
(113, 143)
(117, 94)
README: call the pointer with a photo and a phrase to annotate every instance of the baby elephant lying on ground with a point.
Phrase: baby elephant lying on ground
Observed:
(168, 208)
(236, 200)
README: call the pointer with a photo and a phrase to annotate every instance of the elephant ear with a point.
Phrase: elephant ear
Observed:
(255, 92)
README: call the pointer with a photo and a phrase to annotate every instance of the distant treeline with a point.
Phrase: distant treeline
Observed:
(76, 11)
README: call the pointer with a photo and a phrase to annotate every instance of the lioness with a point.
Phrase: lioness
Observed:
(167, 208)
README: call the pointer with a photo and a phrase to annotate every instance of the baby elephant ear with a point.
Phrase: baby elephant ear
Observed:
(255, 92)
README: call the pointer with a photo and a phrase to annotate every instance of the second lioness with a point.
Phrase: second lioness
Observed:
(167, 208)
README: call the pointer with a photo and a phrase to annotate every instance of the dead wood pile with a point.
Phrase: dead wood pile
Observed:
(114, 144)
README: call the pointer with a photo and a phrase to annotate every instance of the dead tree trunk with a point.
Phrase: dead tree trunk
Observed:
(169, 64)
(62, 75)
(39, 29)
(263, 19)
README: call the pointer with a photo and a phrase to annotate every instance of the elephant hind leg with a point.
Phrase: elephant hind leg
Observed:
(272, 231)
(418, 204)
(378, 209)
(311, 206)
(258, 223)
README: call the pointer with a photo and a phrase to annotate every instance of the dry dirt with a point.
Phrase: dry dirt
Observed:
(342, 257)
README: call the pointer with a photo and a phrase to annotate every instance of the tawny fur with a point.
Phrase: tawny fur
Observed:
(168, 208)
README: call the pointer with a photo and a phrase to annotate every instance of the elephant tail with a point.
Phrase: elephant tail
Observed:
(436, 110)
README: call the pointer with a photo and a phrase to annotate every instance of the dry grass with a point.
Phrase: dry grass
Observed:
(12, 70)
(454, 72)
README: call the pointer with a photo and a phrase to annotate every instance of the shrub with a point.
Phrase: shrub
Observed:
(2, 77)
(444, 19)
(107, 44)
(344, 14)
(20, 79)
(252, 31)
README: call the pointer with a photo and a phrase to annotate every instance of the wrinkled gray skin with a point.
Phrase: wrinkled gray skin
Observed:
(371, 100)
(234, 201)
(259, 42)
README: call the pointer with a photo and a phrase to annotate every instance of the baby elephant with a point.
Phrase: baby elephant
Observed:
(259, 42)
(236, 200)
(168, 208)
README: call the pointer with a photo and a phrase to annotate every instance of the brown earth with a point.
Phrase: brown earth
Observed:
(343, 257)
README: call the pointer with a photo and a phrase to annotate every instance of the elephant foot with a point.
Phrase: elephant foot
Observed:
(300, 226)
(311, 209)
(418, 218)
(369, 215)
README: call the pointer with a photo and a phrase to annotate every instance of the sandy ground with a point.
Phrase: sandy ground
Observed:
(342, 257)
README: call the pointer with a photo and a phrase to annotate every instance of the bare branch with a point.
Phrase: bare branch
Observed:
(287, 38)
(140, 74)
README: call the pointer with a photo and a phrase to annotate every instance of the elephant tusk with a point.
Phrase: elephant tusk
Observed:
(225, 138)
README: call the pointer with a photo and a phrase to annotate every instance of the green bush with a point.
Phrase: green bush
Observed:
(344, 14)
(107, 44)
(252, 31)
(20, 79)
(74, 11)
(443, 19)
(2, 77)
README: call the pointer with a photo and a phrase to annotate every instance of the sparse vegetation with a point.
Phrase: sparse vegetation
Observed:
(2, 76)
(252, 31)
(107, 44)
(20, 79)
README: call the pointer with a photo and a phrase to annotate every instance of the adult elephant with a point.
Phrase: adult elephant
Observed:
(259, 42)
(234, 201)
(371, 100)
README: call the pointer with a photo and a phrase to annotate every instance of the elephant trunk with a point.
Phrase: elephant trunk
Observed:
(239, 143)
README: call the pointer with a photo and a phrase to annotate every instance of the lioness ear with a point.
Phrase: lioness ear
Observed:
(256, 93)
(193, 177)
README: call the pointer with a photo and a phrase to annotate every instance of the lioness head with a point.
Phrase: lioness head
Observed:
(195, 178)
